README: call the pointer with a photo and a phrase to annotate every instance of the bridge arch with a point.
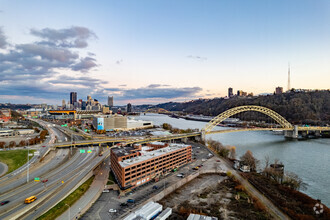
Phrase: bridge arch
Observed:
(233, 111)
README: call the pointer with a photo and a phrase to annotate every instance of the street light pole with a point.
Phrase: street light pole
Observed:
(69, 211)
(71, 144)
(28, 157)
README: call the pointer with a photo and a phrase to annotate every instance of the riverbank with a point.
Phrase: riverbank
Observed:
(309, 159)
(295, 204)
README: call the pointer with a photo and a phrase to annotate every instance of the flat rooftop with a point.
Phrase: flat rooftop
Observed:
(123, 151)
(146, 155)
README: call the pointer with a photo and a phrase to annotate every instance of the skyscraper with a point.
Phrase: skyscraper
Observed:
(129, 108)
(110, 101)
(73, 97)
(230, 92)
(63, 103)
(278, 90)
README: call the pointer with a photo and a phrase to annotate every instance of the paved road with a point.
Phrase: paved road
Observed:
(84, 202)
(53, 191)
(100, 210)
(3, 168)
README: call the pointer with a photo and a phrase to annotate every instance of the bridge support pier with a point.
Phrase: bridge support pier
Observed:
(293, 133)
(184, 140)
(203, 135)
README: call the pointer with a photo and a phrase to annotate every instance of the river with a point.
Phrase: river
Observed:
(309, 159)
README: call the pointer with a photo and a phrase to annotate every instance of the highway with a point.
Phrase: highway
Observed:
(71, 171)
(56, 167)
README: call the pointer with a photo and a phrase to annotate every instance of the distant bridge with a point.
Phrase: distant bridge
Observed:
(288, 128)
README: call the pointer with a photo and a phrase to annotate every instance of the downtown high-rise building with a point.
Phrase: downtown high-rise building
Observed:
(73, 97)
(129, 108)
(110, 101)
(230, 92)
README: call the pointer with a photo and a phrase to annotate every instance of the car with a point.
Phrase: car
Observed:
(106, 191)
(195, 168)
(124, 204)
(4, 202)
(45, 181)
(218, 161)
(43, 146)
(130, 201)
(112, 210)
(155, 187)
(100, 155)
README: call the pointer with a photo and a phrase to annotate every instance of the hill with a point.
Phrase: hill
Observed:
(311, 108)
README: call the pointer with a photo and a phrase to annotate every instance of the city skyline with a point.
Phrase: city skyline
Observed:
(153, 52)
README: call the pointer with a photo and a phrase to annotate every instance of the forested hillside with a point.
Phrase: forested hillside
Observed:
(297, 107)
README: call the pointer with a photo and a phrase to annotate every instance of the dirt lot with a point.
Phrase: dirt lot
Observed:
(213, 195)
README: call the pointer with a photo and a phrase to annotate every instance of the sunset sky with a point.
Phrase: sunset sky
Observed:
(152, 51)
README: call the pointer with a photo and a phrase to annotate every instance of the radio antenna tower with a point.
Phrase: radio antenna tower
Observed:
(289, 86)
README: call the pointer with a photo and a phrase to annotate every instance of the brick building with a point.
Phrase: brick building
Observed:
(134, 166)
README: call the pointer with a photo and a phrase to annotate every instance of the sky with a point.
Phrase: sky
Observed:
(152, 51)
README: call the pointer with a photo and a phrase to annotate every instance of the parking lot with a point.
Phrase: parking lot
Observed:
(111, 200)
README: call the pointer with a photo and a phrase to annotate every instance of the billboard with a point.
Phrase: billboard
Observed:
(100, 124)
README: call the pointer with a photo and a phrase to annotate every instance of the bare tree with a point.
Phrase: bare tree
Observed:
(248, 159)
(293, 181)
(232, 152)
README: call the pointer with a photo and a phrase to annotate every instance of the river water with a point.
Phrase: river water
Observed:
(309, 159)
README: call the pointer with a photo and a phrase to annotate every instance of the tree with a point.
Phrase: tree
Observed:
(167, 126)
(249, 160)
(12, 144)
(22, 143)
(293, 181)
(232, 152)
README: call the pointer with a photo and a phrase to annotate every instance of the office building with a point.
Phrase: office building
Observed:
(278, 90)
(110, 101)
(63, 103)
(129, 108)
(73, 97)
(136, 165)
(110, 122)
(230, 92)
(239, 93)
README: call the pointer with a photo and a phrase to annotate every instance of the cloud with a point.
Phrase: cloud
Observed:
(34, 69)
(160, 93)
(3, 39)
(73, 37)
(118, 62)
(197, 57)
(157, 85)
(85, 64)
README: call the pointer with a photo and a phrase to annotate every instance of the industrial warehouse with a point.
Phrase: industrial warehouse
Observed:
(134, 166)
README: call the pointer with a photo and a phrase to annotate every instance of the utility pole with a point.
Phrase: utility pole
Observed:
(71, 144)
(28, 157)
(289, 86)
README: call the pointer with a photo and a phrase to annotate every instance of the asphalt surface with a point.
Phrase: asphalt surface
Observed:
(53, 191)
(107, 201)
(96, 187)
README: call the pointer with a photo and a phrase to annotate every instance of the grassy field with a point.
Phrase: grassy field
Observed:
(57, 210)
(14, 158)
